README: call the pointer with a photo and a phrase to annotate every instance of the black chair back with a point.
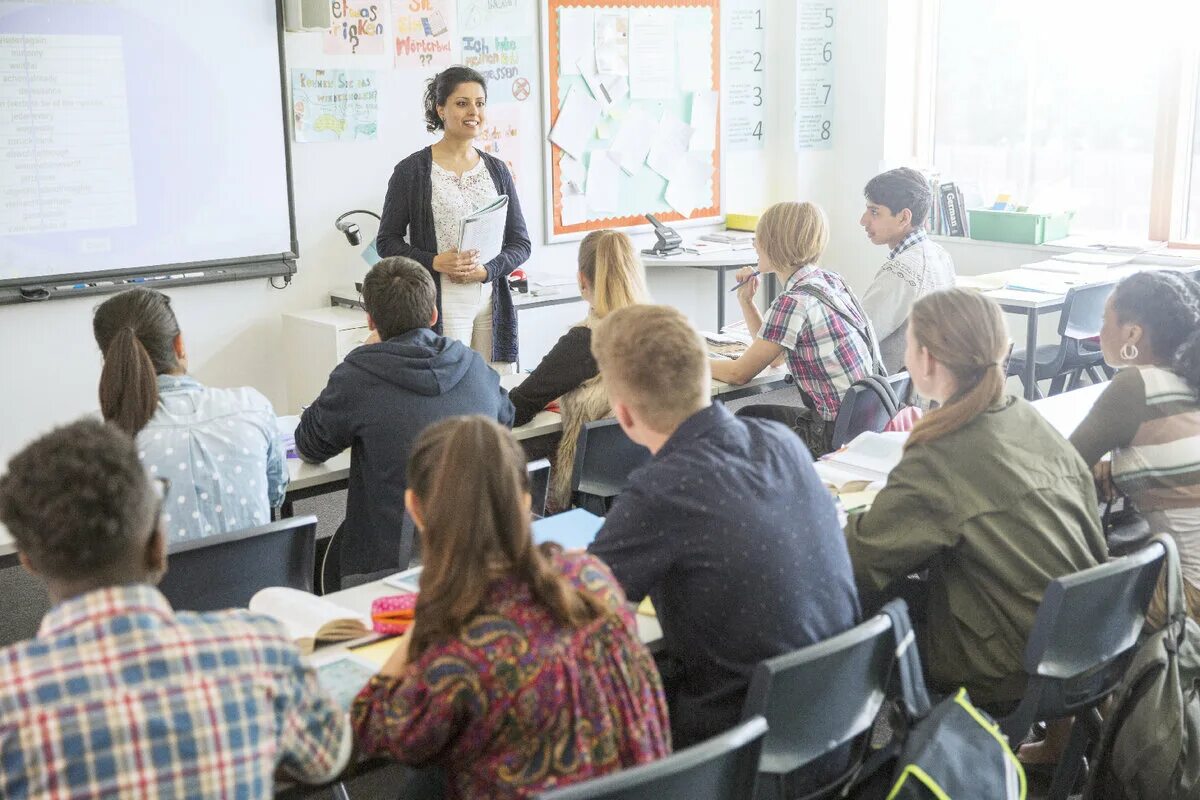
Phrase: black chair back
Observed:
(225, 571)
(869, 405)
(604, 457)
(721, 768)
(539, 485)
(1083, 311)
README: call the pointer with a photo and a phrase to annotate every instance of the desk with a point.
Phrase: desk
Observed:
(1065, 411)
(347, 297)
(720, 263)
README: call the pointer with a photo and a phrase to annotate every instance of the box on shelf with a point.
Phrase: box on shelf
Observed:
(1019, 227)
(741, 222)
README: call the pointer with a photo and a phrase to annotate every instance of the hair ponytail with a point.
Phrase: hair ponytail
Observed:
(964, 332)
(608, 260)
(136, 332)
(1167, 306)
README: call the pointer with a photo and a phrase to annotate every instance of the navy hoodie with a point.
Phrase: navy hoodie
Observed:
(377, 403)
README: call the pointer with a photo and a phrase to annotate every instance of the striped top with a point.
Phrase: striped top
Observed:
(1149, 418)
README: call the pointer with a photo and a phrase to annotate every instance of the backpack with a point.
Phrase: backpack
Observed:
(1150, 743)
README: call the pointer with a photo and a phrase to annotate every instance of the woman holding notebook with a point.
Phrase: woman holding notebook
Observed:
(429, 195)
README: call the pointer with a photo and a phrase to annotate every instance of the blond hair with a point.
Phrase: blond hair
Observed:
(611, 265)
(792, 235)
(964, 332)
(652, 359)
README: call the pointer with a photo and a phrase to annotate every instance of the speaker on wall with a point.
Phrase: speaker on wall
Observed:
(306, 15)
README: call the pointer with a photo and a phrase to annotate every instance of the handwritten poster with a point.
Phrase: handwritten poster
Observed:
(816, 47)
(334, 105)
(425, 33)
(357, 28)
(744, 100)
(508, 61)
(501, 136)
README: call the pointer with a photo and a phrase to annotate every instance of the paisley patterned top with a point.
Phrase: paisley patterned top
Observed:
(518, 704)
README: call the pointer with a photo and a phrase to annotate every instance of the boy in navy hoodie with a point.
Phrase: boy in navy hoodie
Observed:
(380, 399)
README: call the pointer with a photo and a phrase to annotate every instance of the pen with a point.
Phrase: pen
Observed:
(753, 275)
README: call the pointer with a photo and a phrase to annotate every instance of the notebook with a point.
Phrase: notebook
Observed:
(574, 529)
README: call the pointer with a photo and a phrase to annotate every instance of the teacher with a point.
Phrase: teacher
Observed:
(429, 194)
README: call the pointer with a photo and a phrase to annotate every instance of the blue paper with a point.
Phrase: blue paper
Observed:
(370, 254)
(574, 529)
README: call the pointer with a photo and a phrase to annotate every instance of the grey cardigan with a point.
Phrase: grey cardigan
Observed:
(407, 230)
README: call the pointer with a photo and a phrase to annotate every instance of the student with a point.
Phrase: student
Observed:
(816, 322)
(727, 528)
(118, 695)
(898, 202)
(988, 497)
(380, 399)
(1149, 415)
(523, 670)
(610, 277)
(219, 448)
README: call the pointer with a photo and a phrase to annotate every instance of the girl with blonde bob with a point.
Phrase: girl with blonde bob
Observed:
(610, 277)
(523, 669)
(988, 497)
(816, 323)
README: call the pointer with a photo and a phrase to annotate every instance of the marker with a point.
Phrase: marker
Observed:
(753, 275)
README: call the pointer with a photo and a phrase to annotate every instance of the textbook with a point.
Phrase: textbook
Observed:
(483, 229)
(574, 529)
(309, 619)
(862, 464)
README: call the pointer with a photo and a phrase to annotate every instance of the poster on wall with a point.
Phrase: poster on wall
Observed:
(745, 106)
(334, 105)
(816, 50)
(357, 28)
(501, 136)
(425, 33)
(508, 60)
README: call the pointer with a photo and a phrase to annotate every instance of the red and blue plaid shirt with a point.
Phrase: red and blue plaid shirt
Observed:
(825, 354)
(118, 696)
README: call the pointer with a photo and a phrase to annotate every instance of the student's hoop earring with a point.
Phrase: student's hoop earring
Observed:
(1129, 351)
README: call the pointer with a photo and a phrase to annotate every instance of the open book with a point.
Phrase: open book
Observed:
(864, 463)
(483, 229)
(308, 618)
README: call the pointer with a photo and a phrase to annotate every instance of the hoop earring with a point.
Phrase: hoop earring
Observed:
(1129, 351)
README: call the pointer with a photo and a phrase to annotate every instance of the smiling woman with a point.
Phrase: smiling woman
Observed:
(430, 193)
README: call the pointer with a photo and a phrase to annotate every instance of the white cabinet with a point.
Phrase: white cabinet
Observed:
(314, 343)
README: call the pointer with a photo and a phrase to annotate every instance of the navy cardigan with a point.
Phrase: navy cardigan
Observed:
(408, 210)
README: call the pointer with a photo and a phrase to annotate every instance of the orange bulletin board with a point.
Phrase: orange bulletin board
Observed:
(695, 27)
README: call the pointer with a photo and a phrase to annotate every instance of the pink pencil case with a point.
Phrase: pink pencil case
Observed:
(393, 614)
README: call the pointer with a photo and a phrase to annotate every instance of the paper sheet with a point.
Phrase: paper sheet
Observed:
(612, 42)
(603, 182)
(632, 142)
(378, 652)
(575, 122)
(573, 174)
(694, 63)
(484, 230)
(574, 209)
(576, 41)
(688, 190)
(704, 121)
(668, 146)
(651, 54)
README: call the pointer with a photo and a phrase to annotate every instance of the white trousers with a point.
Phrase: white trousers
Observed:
(467, 316)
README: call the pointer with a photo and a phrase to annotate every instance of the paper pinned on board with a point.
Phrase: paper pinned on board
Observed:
(576, 37)
(574, 209)
(632, 142)
(603, 182)
(573, 174)
(607, 89)
(668, 146)
(704, 121)
(575, 122)
(612, 42)
(694, 63)
(689, 188)
(651, 54)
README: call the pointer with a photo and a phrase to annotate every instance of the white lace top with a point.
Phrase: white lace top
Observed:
(455, 197)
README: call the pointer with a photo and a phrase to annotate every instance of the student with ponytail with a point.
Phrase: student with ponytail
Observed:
(610, 277)
(523, 669)
(988, 497)
(219, 448)
(1149, 415)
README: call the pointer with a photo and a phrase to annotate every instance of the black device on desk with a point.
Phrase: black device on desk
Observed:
(669, 242)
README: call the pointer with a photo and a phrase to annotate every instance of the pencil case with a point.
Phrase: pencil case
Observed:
(393, 614)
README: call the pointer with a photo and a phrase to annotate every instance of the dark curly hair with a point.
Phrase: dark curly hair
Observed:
(1167, 305)
(441, 86)
(77, 499)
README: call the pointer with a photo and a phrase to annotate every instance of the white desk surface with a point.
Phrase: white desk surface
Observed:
(1020, 299)
(725, 258)
(1065, 411)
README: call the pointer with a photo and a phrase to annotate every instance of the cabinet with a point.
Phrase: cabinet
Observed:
(315, 342)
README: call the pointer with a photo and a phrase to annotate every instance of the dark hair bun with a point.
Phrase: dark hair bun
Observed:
(439, 88)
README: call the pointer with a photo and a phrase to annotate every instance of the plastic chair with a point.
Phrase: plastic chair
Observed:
(721, 768)
(867, 406)
(604, 457)
(1084, 634)
(225, 571)
(821, 698)
(539, 485)
(1080, 320)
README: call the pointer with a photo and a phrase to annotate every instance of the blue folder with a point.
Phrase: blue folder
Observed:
(574, 529)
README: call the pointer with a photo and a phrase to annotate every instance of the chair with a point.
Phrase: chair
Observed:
(539, 485)
(1080, 320)
(225, 571)
(1083, 637)
(867, 408)
(604, 457)
(821, 698)
(721, 768)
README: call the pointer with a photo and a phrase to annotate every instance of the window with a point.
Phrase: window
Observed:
(1060, 104)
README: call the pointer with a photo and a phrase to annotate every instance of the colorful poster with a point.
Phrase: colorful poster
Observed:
(357, 28)
(508, 61)
(425, 33)
(500, 136)
(334, 105)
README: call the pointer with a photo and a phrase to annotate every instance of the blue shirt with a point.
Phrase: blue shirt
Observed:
(737, 542)
(220, 449)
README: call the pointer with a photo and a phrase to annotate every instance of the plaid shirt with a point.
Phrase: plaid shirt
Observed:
(118, 696)
(914, 236)
(824, 353)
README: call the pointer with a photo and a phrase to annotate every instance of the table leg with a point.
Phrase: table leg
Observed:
(720, 299)
(1031, 335)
